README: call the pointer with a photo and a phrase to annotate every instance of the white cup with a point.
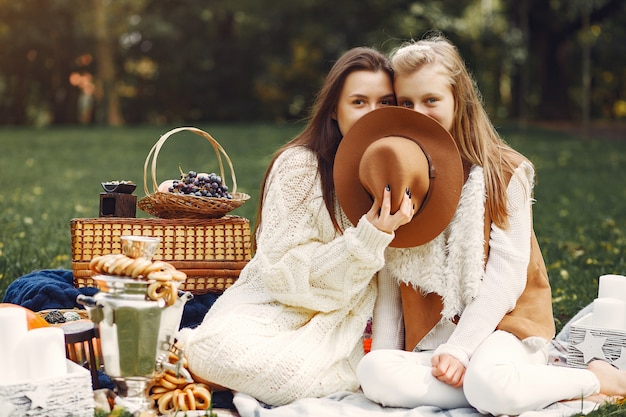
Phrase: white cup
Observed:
(13, 326)
(612, 286)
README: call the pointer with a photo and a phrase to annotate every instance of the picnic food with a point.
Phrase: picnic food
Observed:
(122, 265)
(173, 392)
(165, 276)
(199, 185)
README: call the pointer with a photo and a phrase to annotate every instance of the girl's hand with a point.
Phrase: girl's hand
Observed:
(448, 369)
(380, 214)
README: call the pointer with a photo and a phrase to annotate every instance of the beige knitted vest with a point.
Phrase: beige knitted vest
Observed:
(532, 315)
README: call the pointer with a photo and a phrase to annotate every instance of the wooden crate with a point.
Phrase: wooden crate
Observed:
(585, 342)
(212, 252)
(70, 395)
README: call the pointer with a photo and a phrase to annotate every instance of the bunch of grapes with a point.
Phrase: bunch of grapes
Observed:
(200, 185)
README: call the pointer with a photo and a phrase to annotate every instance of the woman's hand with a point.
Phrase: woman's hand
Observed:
(448, 369)
(380, 214)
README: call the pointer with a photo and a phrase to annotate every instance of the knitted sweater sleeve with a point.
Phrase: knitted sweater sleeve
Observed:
(387, 322)
(302, 260)
(505, 272)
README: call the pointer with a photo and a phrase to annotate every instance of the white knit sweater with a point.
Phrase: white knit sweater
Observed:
(452, 265)
(291, 326)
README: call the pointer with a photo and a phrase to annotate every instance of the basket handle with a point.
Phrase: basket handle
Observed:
(154, 153)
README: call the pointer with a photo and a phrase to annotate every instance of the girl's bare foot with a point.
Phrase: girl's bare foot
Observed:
(599, 398)
(612, 380)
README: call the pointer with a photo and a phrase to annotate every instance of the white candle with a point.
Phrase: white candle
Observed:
(13, 326)
(612, 286)
(609, 313)
(43, 351)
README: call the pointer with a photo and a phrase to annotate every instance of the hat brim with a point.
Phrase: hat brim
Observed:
(446, 170)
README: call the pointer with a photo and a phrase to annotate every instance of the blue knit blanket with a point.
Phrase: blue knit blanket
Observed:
(54, 289)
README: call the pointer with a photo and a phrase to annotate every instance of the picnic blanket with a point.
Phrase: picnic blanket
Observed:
(46, 289)
(355, 404)
(349, 404)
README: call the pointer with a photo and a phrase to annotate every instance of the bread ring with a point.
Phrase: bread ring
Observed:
(160, 275)
(173, 379)
(120, 265)
(101, 262)
(167, 384)
(137, 268)
(97, 263)
(108, 263)
(93, 263)
(157, 392)
(158, 389)
(202, 395)
(167, 403)
(157, 290)
(191, 399)
(181, 401)
(178, 275)
(172, 295)
(111, 263)
(173, 358)
(153, 267)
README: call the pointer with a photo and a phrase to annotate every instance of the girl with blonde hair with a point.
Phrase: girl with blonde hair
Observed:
(466, 319)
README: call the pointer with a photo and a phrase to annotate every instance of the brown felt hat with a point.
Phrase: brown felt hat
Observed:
(404, 149)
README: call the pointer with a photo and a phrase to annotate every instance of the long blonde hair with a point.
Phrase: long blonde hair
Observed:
(478, 141)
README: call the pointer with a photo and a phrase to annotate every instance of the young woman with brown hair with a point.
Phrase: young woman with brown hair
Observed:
(291, 326)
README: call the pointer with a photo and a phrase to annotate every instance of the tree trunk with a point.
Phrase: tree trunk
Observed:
(586, 78)
(107, 98)
(63, 98)
(552, 73)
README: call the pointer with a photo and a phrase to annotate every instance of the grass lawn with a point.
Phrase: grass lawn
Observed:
(49, 176)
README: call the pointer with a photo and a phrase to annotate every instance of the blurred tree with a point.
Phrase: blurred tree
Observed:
(553, 29)
(37, 51)
(175, 61)
(109, 25)
(247, 60)
(106, 92)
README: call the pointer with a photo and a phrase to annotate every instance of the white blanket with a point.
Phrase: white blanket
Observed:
(349, 404)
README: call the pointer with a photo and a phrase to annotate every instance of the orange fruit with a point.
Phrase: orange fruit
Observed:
(33, 320)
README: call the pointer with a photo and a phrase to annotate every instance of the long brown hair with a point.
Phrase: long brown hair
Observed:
(478, 141)
(321, 134)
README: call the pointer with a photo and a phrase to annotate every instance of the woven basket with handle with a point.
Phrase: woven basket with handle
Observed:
(167, 205)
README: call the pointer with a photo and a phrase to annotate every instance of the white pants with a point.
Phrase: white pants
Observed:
(504, 376)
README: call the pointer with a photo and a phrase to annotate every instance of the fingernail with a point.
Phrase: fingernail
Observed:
(388, 187)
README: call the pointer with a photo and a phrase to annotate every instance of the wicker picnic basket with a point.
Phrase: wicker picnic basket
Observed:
(212, 252)
(167, 205)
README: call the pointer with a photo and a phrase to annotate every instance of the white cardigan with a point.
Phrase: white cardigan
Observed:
(292, 324)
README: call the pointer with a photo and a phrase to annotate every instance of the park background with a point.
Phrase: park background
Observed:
(87, 87)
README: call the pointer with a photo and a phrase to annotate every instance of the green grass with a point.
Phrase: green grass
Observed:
(580, 213)
(49, 176)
